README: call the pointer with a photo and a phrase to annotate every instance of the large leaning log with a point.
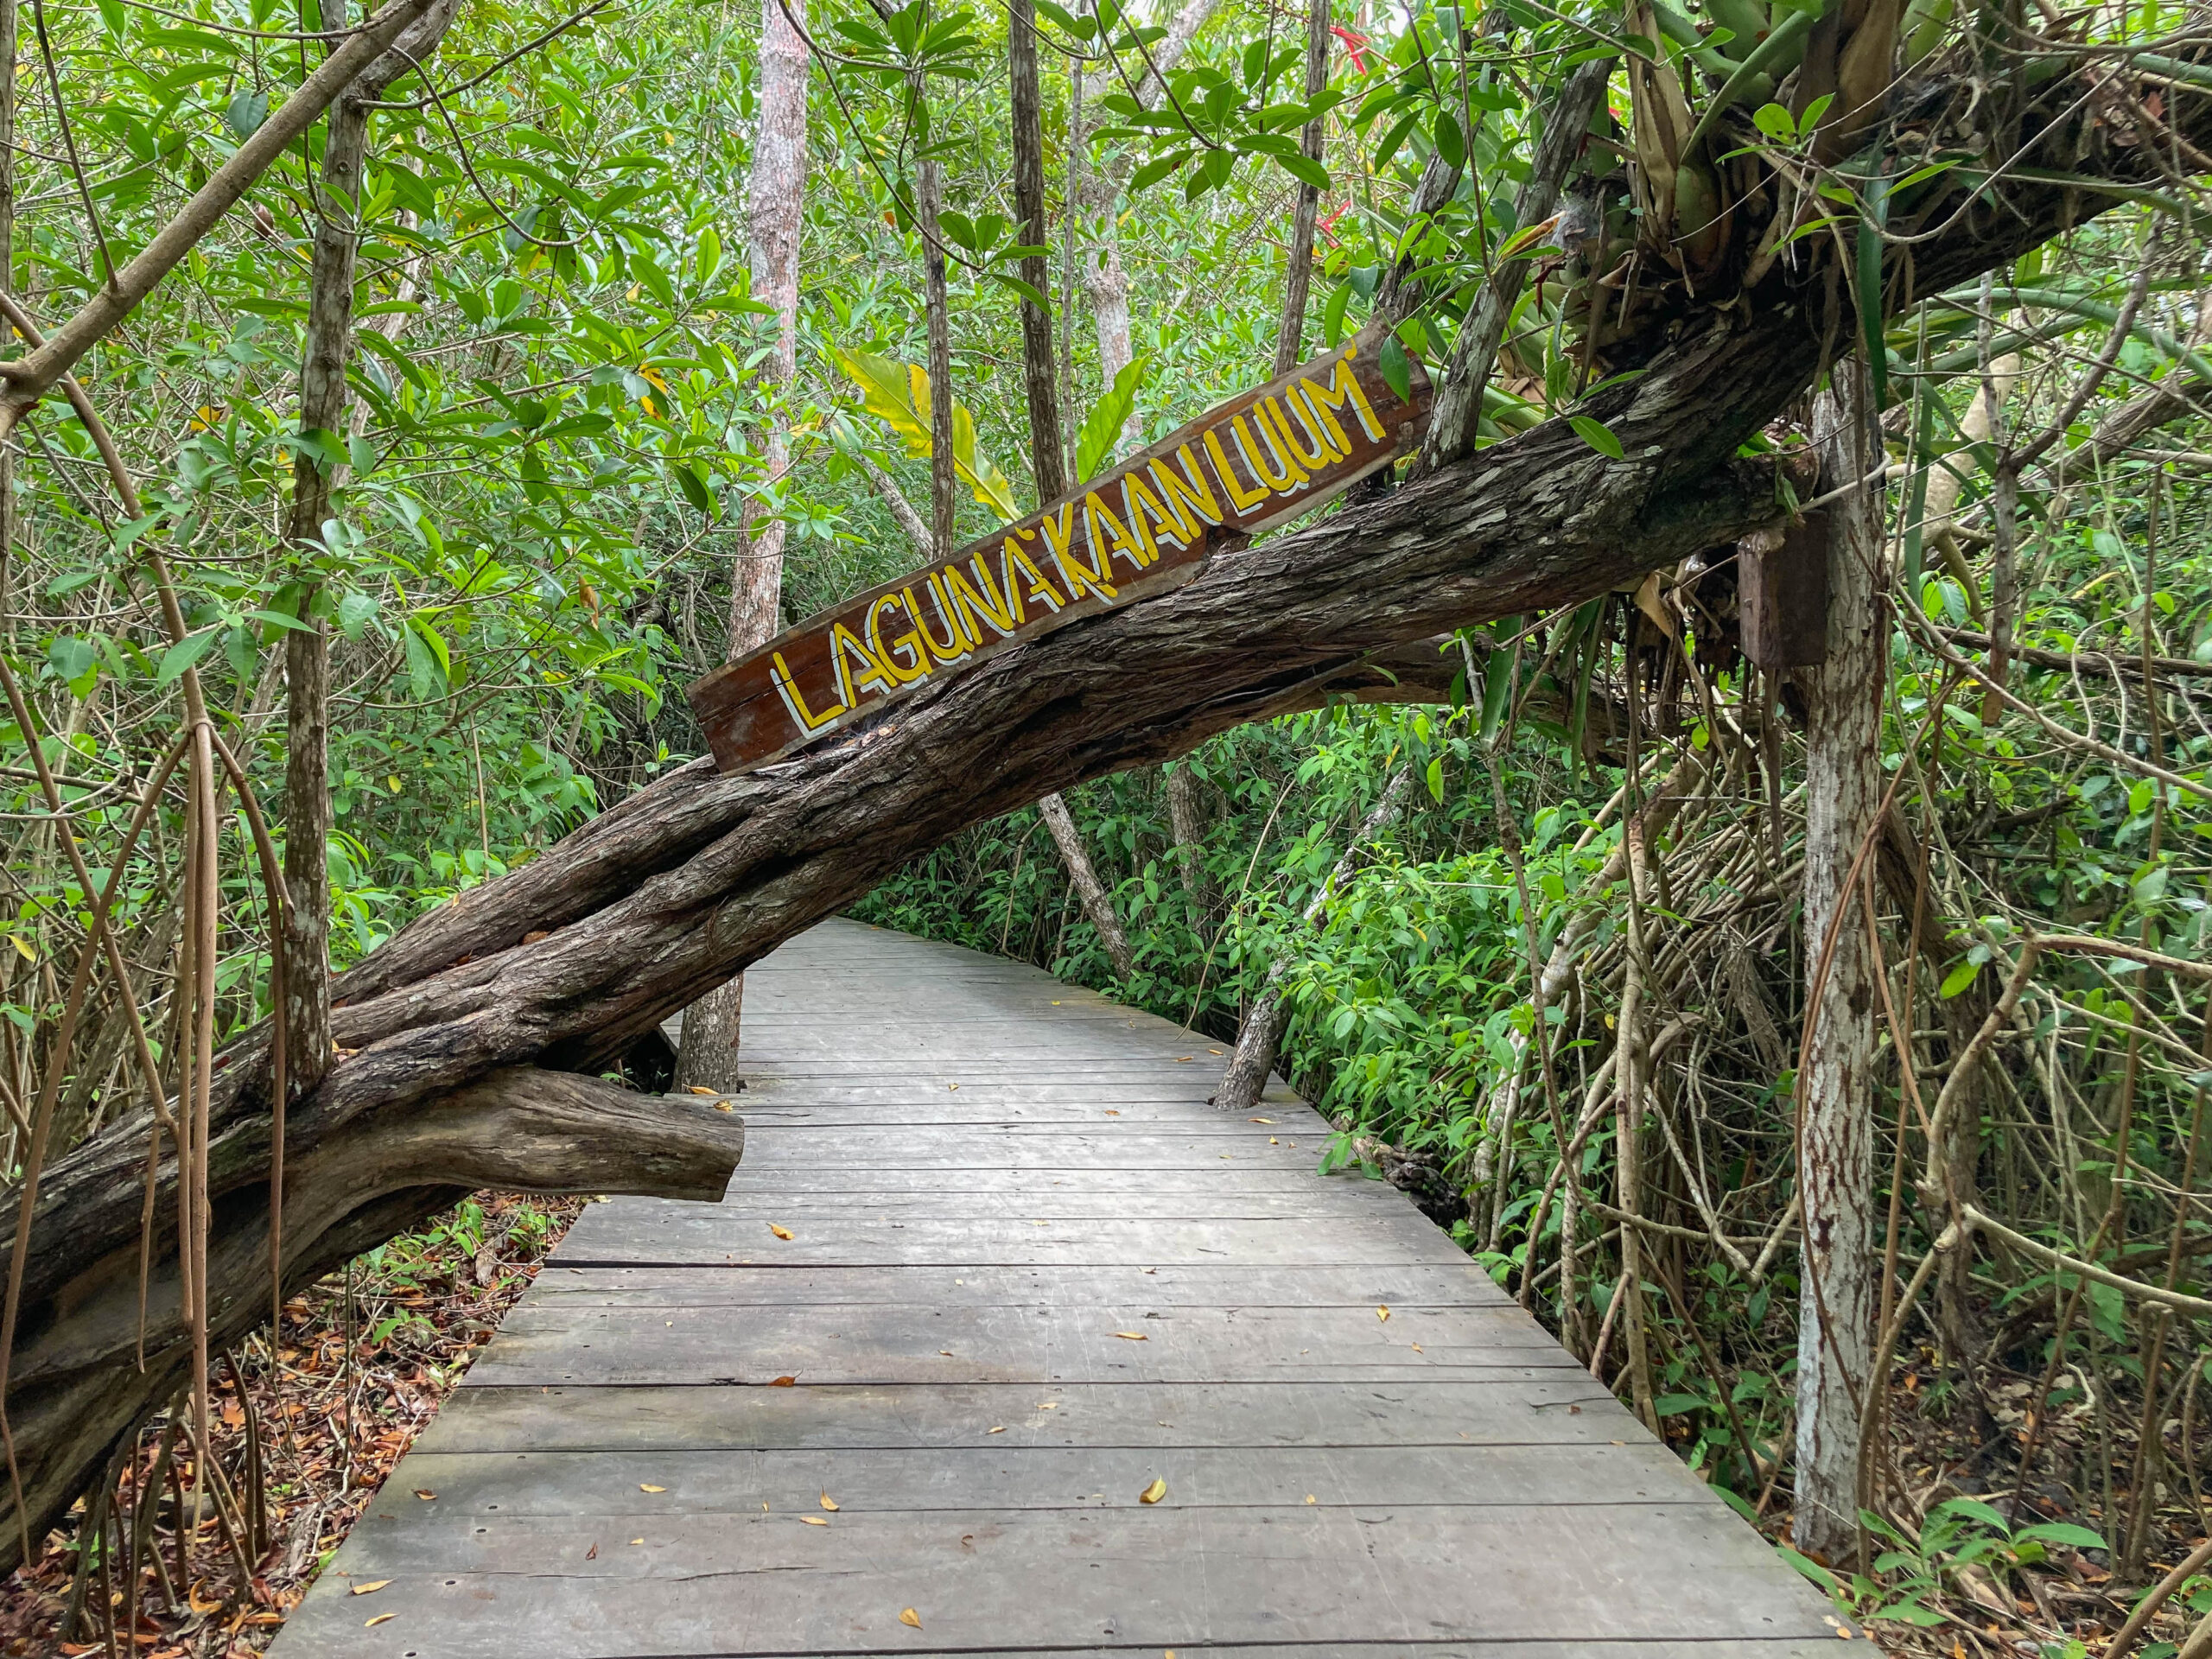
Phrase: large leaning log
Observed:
(563, 964)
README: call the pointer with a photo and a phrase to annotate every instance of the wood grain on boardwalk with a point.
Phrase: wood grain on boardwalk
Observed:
(985, 1176)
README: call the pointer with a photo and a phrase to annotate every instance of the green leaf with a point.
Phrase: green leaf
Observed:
(1959, 978)
(184, 654)
(1306, 170)
(1775, 121)
(1597, 434)
(1396, 368)
(246, 113)
(1333, 315)
(694, 487)
(1436, 779)
(1094, 444)
(1451, 138)
(2060, 1532)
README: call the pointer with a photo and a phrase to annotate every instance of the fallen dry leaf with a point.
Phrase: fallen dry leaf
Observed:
(724, 1106)
(1048, 1405)
(784, 1382)
(367, 1623)
(1000, 1429)
(1154, 1492)
(812, 1521)
(1259, 1120)
(702, 1089)
(425, 1492)
(1310, 1498)
(1133, 1336)
(372, 1584)
(780, 1232)
(910, 1616)
(637, 1541)
(644, 1488)
(591, 1554)
(829, 1502)
(1382, 1313)
(1110, 1112)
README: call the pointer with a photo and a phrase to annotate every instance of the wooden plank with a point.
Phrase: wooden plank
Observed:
(918, 1480)
(1144, 527)
(1158, 1578)
(887, 1342)
(1546, 1409)
(939, 1285)
(629, 1236)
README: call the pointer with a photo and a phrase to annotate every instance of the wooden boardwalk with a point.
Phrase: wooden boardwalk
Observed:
(1030, 1272)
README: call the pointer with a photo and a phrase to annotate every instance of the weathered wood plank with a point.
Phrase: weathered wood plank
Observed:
(1158, 1578)
(1550, 1409)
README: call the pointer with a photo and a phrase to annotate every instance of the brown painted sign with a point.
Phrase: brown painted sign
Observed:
(1143, 528)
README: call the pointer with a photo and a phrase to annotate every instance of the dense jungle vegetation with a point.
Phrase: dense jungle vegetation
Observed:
(410, 499)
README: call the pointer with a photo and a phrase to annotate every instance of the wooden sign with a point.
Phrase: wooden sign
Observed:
(1147, 526)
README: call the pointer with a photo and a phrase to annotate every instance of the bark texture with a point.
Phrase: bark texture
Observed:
(1097, 903)
(1298, 278)
(775, 220)
(325, 354)
(677, 888)
(1835, 1121)
(1246, 1078)
(1047, 449)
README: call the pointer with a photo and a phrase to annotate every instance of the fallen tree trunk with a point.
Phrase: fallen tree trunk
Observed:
(565, 964)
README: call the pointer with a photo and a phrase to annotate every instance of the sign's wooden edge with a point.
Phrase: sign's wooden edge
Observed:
(1402, 426)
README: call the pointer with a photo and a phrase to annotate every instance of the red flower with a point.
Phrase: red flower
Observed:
(1354, 43)
(1324, 225)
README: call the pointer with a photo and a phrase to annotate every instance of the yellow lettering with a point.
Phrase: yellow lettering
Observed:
(1139, 503)
(917, 663)
(1227, 474)
(1033, 584)
(1059, 541)
(972, 608)
(787, 687)
(946, 655)
(1188, 496)
(1322, 452)
(875, 675)
(1118, 542)
(1343, 388)
(1257, 452)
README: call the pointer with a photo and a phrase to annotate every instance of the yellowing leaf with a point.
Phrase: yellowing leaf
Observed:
(371, 1586)
(644, 1488)
(829, 1502)
(424, 1493)
(1382, 1312)
(1154, 1492)
(812, 1521)
(910, 1616)
(1000, 1429)
(368, 1623)
(1310, 1497)
(1133, 1336)
(780, 1232)
(897, 394)
(702, 1089)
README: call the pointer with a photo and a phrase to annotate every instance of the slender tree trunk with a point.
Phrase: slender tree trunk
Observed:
(1097, 903)
(1835, 1122)
(776, 219)
(1046, 450)
(1104, 279)
(929, 197)
(1186, 816)
(1246, 1079)
(1298, 281)
(323, 360)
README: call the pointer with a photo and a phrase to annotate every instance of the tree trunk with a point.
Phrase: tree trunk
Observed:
(1298, 279)
(1186, 817)
(323, 359)
(1835, 1120)
(707, 1057)
(1246, 1078)
(1104, 279)
(1097, 903)
(1046, 448)
(674, 890)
